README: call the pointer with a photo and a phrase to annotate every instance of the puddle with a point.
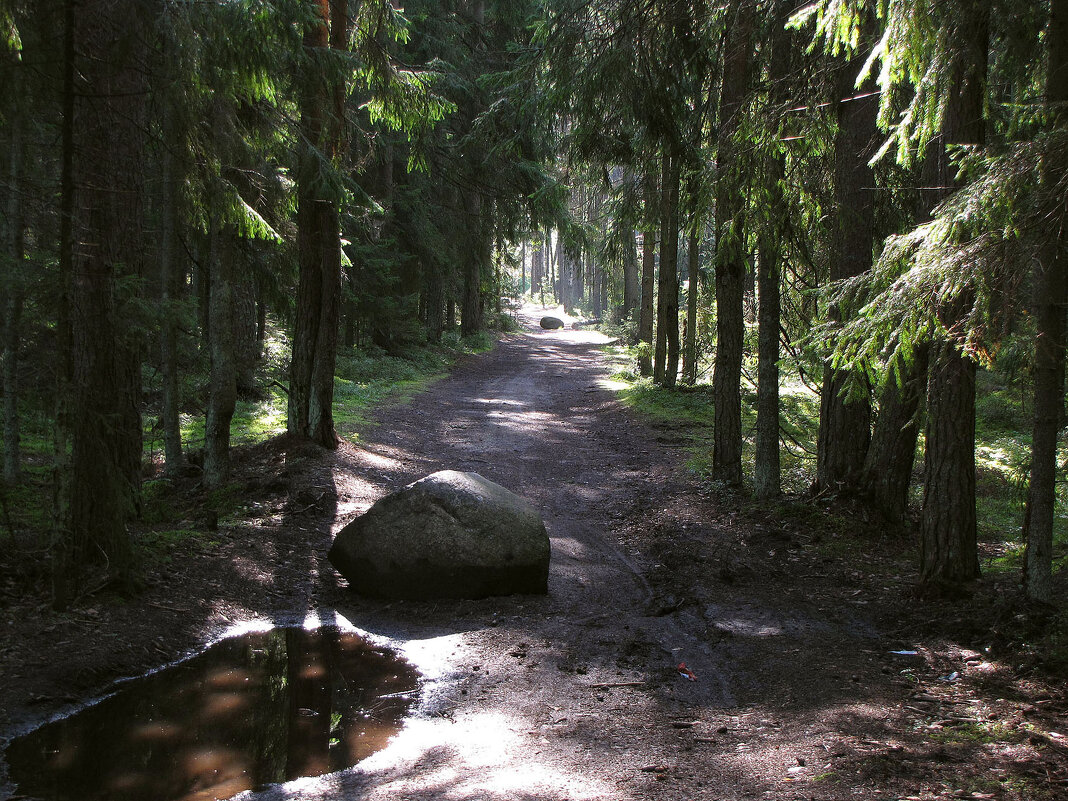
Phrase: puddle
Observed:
(252, 710)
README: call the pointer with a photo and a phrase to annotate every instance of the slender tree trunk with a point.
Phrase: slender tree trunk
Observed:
(666, 356)
(645, 321)
(1051, 282)
(631, 293)
(767, 481)
(845, 405)
(171, 274)
(730, 258)
(109, 107)
(689, 348)
(11, 284)
(766, 470)
(62, 544)
(671, 307)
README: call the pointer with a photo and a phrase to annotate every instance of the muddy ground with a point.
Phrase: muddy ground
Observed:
(789, 633)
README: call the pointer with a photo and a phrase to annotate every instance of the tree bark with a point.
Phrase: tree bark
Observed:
(845, 411)
(471, 311)
(108, 125)
(689, 348)
(948, 550)
(766, 469)
(767, 479)
(645, 320)
(311, 390)
(666, 356)
(888, 465)
(62, 544)
(730, 258)
(222, 387)
(948, 532)
(171, 275)
(1051, 300)
(631, 278)
(11, 283)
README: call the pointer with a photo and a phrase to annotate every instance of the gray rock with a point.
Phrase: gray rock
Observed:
(449, 535)
(551, 322)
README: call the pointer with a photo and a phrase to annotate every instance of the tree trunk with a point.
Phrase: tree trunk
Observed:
(311, 383)
(887, 471)
(730, 258)
(246, 351)
(948, 551)
(766, 470)
(631, 291)
(108, 125)
(62, 545)
(222, 388)
(689, 348)
(471, 313)
(645, 321)
(845, 410)
(171, 275)
(1051, 283)
(631, 277)
(767, 479)
(666, 357)
(947, 532)
(11, 284)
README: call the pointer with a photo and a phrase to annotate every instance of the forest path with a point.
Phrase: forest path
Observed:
(534, 697)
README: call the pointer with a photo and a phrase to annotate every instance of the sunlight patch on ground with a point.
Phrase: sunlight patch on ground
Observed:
(500, 401)
(478, 756)
(379, 461)
(612, 384)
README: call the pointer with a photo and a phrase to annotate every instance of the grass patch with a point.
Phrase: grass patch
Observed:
(981, 733)
(689, 412)
(159, 546)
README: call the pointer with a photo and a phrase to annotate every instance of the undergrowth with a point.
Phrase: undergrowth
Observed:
(1003, 445)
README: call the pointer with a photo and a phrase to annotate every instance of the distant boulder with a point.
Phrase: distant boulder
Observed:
(449, 535)
(551, 322)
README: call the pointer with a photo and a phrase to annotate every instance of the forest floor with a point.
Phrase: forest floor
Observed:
(788, 619)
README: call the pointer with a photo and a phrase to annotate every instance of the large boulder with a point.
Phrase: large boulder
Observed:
(551, 322)
(449, 535)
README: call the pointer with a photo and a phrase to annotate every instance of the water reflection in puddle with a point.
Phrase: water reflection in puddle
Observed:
(252, 710)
